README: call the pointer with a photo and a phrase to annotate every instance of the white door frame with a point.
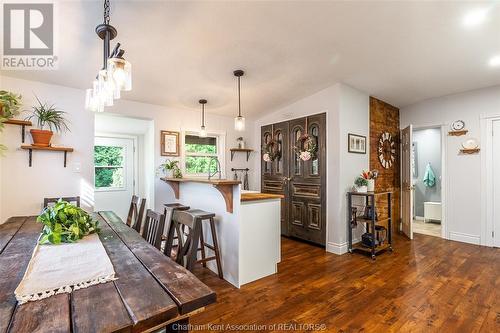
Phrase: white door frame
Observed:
(444, 176)
(487, 222)
(135, 153)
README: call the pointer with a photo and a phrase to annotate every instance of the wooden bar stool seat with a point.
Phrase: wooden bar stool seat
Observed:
(203, 216)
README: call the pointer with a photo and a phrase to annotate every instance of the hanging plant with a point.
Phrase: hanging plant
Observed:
(270, 151)
(306, 147)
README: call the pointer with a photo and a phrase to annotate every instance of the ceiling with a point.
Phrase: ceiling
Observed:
(401, 52)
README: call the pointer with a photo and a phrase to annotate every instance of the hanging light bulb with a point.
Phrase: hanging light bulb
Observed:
(203, 130)
(239, 121)
(120, 70)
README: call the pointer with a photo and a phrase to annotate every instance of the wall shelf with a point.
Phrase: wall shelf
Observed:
(22, 123)
(30, 149)
(470, 151)
(241, 150)
(457, 133)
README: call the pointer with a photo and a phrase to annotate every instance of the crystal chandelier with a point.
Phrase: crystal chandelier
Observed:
(116, 74)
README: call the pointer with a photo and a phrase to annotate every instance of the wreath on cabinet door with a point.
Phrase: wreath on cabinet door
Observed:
(386, 150)
(270, 150)
(306, 147)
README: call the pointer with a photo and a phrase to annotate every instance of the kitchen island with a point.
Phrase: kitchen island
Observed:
(248, 225)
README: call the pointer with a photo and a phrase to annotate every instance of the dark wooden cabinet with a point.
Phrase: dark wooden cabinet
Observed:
(303, 183)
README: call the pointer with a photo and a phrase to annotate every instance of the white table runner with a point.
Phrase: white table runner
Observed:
(57, 269)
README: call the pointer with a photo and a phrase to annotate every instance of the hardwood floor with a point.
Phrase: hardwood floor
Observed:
(429, 285)
(427, 228)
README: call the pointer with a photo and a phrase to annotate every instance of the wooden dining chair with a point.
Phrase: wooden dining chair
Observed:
(188, 228)
(48, 201)
(136, 213)
(153, 228)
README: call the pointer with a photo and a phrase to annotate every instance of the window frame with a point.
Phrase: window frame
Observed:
(221, 152)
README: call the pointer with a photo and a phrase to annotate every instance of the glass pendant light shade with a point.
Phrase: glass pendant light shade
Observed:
(239, 123)
(120, 70)
(203, 132)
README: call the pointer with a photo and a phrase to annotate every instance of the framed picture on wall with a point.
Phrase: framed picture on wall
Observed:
(356, 143)
(169, 143)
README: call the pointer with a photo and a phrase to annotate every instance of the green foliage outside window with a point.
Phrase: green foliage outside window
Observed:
(108, 162)
(199, 164)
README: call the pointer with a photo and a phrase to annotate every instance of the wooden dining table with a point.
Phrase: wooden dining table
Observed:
(151, 291)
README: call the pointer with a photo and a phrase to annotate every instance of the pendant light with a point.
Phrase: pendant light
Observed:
(239, 121)
(203, 131)
(116, 73)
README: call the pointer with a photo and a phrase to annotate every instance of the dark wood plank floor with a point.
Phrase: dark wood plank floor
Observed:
(428, 285)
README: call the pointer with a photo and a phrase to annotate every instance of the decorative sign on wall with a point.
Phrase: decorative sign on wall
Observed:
(386, 150)
(356, 143)
(169, 143)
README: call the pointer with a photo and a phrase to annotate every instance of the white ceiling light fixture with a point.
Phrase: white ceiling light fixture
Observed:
(475, 17)
(494, 61)
(116, 73)
(239, 121)
(203, 130)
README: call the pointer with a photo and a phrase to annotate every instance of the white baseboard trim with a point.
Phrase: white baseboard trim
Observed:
(419, 218)
(337, 248)
(465, 238)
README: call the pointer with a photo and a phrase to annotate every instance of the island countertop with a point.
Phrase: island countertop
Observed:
(260, 196)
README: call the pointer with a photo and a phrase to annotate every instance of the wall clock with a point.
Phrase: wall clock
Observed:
(386, 150)
(458, 125)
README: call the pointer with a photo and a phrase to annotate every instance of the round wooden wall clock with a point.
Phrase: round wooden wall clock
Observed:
(386, 150)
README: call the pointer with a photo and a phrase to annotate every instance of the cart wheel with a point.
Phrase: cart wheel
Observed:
(391, 249)
(373, 257)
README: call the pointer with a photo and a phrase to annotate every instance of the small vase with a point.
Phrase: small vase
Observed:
(169, 173)
(362, 189)
(371, 185)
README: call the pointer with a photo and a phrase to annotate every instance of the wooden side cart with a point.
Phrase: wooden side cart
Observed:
(370, 222)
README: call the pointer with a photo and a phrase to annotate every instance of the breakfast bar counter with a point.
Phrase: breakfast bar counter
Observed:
(247, 225)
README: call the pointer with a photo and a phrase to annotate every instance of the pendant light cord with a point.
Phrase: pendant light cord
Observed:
(106, 11)
(203, 115)
(239, 98)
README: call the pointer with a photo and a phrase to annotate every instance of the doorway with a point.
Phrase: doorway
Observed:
(496, 183)
(302, 181)
(114, 173)
(426, 180)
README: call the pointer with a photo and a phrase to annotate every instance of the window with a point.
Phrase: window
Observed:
(199, 151)
(109, 166)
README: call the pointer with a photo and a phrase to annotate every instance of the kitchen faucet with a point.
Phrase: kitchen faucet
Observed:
(217, 171)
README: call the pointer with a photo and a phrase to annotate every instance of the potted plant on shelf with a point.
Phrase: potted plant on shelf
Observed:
(46, 117)
(169, 168)
(370, 176)
(361, 184)
(9, 107)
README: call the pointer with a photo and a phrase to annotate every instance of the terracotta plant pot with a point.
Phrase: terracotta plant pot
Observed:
(41, 138)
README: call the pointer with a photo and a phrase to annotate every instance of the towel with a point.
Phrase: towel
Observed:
(56, 269)
(429, 177)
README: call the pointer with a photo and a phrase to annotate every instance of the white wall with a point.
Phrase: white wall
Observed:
(347, 111)
(23, 189)
(463, 172)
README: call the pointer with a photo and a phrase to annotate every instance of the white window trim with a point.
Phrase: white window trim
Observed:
(221, 152)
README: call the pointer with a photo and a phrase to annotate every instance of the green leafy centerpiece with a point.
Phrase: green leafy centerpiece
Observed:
(65, 223)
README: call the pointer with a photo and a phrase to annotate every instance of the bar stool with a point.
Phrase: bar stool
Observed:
(201, 216)
(170, 208)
